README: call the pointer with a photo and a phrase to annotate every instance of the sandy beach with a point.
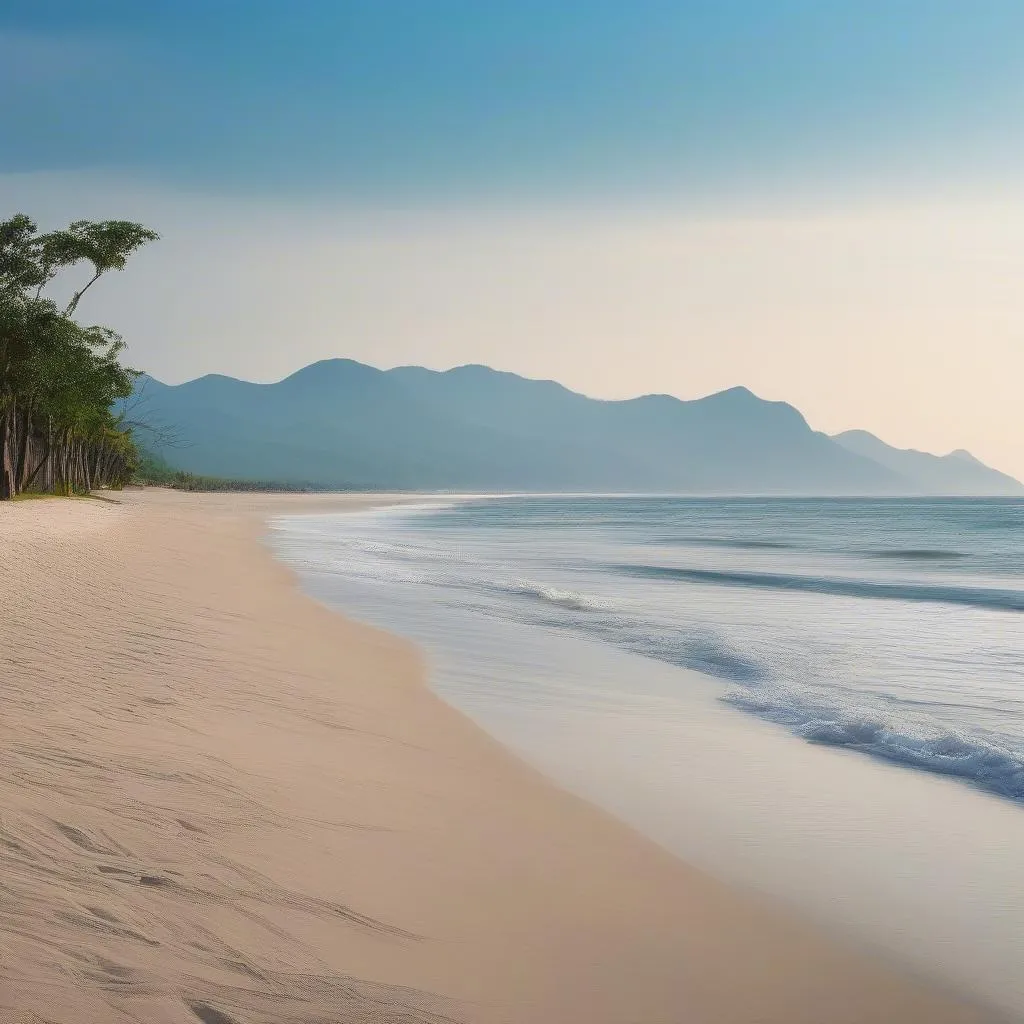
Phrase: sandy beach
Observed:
(220, 801)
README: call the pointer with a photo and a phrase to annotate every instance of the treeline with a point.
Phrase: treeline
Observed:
(153, 471)
(59, 378)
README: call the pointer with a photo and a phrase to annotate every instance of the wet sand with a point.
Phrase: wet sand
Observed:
(220, 801)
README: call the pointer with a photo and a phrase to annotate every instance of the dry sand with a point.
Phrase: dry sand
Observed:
(222, 802)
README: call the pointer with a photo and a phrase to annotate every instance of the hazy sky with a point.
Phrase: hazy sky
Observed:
(821, 200)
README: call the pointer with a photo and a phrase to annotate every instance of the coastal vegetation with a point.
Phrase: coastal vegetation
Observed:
(60, 378)
(65, 421)
(154, 471)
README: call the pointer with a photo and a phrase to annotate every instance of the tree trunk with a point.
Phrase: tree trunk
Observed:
(39, 465)
(7, 475)
(49, 478)
(21, 470)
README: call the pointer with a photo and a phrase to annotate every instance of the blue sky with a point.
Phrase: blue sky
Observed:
(512, 97)
(822, 200)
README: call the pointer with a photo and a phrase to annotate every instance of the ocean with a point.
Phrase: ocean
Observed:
(820, 698)
(890, 627)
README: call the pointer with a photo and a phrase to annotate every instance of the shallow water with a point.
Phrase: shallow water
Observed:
(738, 678)
(893, 627)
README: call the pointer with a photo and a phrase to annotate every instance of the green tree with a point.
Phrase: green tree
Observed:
(60, 379)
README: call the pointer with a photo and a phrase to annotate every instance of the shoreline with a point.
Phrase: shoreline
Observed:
(910, 866)
(222, 796)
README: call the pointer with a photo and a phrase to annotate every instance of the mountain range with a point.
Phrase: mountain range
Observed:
(339, 423)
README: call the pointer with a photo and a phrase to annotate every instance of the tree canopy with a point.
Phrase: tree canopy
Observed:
(60, 379)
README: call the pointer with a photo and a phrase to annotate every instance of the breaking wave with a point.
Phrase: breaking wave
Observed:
(975, 759)
(571, 599)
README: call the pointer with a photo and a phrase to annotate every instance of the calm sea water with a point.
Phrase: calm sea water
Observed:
(889, 627)
(819, 699)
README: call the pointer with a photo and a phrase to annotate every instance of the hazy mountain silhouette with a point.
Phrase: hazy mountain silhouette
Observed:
(341, 423)
(957, 473)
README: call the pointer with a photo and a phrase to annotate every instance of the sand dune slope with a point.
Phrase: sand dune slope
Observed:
(222, 802)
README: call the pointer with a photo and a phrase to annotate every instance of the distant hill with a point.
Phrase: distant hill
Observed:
(957, 473)
(341, 423)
